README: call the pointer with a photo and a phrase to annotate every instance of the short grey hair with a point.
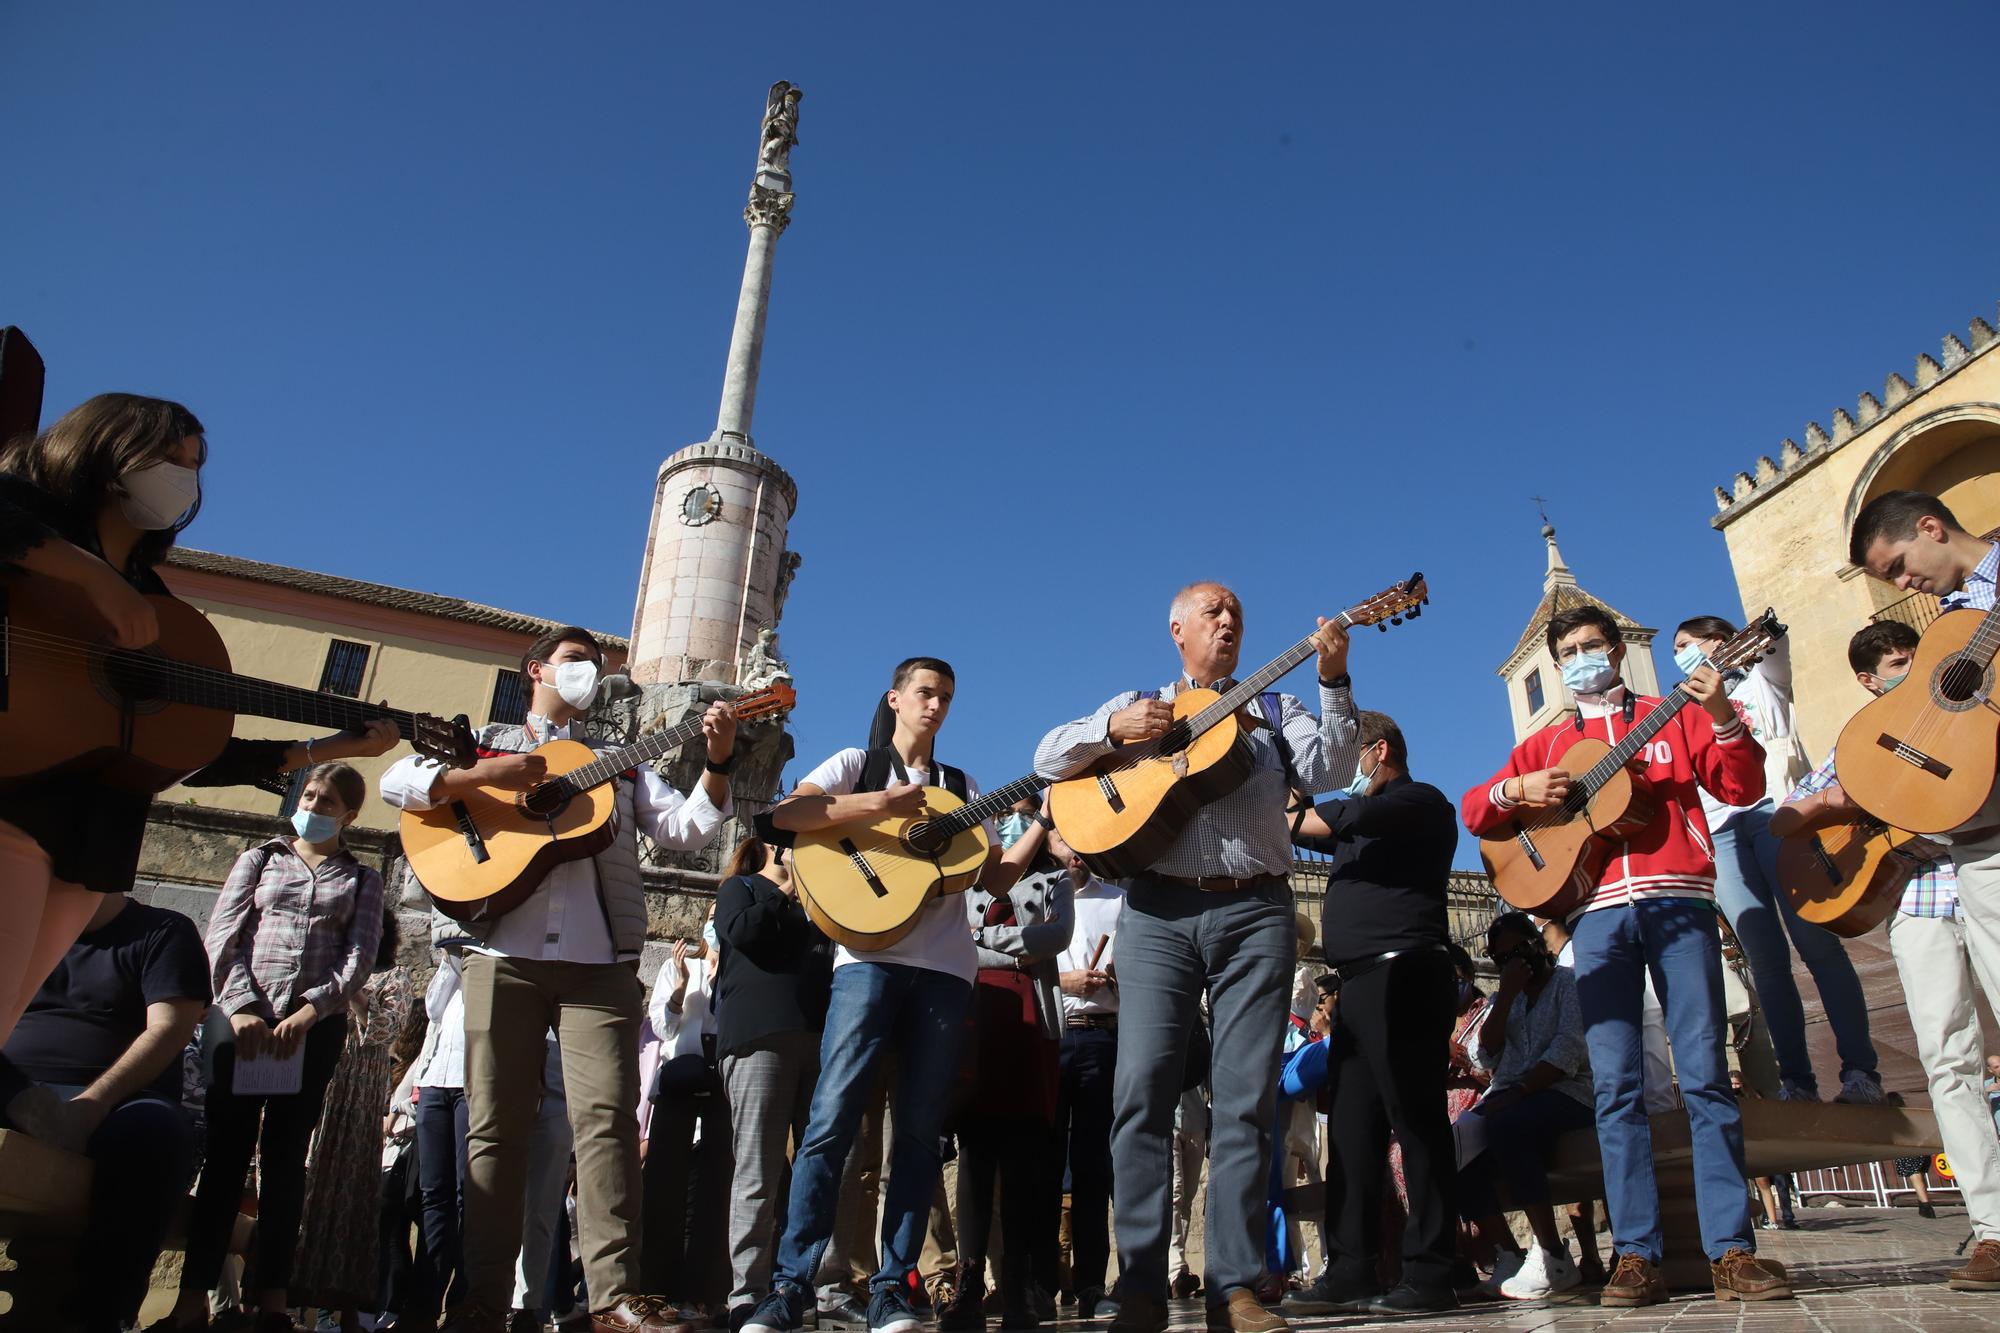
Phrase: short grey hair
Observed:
(1183, 600)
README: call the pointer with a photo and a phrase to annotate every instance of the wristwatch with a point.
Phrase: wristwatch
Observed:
(1043, 820)
(725, 767)
(1342, 681)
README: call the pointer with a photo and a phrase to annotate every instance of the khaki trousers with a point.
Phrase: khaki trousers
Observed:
(596, 1010)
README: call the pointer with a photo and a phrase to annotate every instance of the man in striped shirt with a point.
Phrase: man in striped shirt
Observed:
(1936, 959)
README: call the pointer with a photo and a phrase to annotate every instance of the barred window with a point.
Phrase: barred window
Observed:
(346, 663)
(1534, 687)
(510, 701)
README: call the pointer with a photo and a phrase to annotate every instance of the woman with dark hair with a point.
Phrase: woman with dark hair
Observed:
(1465, 1081)
(89, 507)
(1746, 882)
(338, 1262)
(772, 990)
(294, 934)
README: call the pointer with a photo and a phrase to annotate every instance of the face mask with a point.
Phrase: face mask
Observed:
(1362, 781)
(576, 682)
(314, 826)
(1891, 682)
(158, 494)
(708, 938)
(1011, 827)
(1690, 657)
(1589, 673)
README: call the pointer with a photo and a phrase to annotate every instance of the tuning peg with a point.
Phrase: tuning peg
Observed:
(1381, 628)
(1416, 610)
(1395, 620)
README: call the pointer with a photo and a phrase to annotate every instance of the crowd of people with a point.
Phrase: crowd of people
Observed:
(1038, 1074)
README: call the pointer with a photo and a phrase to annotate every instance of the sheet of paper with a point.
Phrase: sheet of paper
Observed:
(268, 1076)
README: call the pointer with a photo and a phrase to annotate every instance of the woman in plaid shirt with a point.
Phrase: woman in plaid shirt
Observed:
(291, 942)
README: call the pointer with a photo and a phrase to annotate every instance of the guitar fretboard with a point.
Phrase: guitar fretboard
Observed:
(206, 687)
(609, 765)
(987, 806)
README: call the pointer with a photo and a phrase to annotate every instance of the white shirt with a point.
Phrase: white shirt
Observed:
(1098, 907)
(444, 1002)
(563, 920)
(681, 1033)
(941, 940)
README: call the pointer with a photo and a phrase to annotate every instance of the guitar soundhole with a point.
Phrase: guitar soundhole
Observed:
(1959, 679)
(546, 801)
(130, 679)
(922, 838)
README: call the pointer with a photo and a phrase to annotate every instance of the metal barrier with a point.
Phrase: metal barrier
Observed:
(1871, 1184)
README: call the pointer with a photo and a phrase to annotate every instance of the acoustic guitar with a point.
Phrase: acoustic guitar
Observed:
(1547, 861)
(1850, 877)
(142, 719)
(1121, 815)
(864, 883)
(481, 855)
(1921, 757)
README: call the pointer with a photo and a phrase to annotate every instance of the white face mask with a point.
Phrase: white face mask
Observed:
(576, 682)
(158, 494)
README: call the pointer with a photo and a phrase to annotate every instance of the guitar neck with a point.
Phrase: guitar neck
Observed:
(1644, 730)
(989, 805)
(1256, 683)
(613, 762)
(206, 688)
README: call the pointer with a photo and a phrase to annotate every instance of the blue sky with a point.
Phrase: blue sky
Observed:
(1079, 303)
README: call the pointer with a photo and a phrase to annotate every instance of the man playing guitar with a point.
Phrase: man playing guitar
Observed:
(1653, 907)
(567, 959)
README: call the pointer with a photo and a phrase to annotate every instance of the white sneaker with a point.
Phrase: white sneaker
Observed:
(1544, 1274)
(1859, 1089)
(1506, 1263)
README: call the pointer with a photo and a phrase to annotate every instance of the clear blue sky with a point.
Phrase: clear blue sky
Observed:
(1079, 302)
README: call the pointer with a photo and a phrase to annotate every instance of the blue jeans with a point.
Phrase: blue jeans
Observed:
(1676, 939)
(1746, 888)
(876, 1008)
(1519, 1139)
(441, 1124)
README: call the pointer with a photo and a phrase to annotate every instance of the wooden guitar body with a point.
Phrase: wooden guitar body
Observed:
(63, 709)
(1547, 861)
(1122, 817)
(1850, 878)
(863, 884)
(480, 856)
(1921, 757)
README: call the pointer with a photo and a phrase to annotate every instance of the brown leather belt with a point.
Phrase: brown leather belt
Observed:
(1219, 883)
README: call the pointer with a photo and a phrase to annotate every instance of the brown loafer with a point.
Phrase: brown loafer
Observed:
(639, 1314)
(1741, 1276)
(1139, 1314)
(1635, 1280)
(1981, 1271)
(1241, 1312)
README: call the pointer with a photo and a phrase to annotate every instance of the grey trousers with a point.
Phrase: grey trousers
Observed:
(1174, 942)
(770, 1088)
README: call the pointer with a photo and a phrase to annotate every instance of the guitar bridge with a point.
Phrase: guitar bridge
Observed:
(861, 866)
(1109, 789)
(1825, 862)
(1528, 846)
(474, 839)
(1911, 755)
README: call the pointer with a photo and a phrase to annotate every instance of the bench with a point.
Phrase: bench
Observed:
(44, 1201)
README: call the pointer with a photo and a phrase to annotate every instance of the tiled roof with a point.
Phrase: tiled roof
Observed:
(1565, 597)
(373, 594)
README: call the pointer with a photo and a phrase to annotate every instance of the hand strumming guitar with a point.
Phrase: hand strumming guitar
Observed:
(511, 772)
(1538, 790)
(902, 798)
(1140, 721)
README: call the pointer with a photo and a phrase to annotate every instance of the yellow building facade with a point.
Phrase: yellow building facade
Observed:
(414, 650)
(1787, 519)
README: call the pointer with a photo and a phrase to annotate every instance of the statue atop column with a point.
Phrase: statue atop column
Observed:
(781, 128)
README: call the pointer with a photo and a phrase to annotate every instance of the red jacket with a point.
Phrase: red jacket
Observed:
(1672, 856)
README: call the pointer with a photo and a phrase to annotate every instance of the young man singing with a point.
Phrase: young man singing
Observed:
(567, 958)
(911, 998)
(1653, 907)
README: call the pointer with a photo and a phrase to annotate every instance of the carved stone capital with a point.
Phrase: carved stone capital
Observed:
(768, 208)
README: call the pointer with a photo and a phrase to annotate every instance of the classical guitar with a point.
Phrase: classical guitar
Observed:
(143, 719)
(1546, 861)
(481, 855)
(1124, 813)
(863, 884)
(1850, 877)
(1921, 757)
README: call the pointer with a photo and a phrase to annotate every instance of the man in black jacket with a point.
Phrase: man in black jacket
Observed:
(1383, 926)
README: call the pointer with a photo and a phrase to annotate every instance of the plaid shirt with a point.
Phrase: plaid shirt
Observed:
(1977, 590)
(283, 935)
(1933, 888)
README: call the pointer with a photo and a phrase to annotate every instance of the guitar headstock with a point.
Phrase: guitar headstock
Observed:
(773, 700)
(1392, 606)
(1755, 640)
(449, 742)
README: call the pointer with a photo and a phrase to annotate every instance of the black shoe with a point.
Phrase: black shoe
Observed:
(1406, 1299)
(1186, 1287)
(845, 1312)
(966, 1311)
(1925, 1210)
(777, 1312)
(1324, 1296)
(1095, 1304)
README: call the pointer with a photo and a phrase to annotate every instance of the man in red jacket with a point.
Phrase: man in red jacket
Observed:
(1653, 907)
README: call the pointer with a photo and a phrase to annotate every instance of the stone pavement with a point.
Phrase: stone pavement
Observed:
(1856, 1270)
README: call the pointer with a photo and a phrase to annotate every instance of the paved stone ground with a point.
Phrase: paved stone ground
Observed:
(1856, 1270)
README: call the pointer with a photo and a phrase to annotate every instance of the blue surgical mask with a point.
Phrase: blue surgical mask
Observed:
(1362, 781)
(1589, 673)
(314, 826)
(708, 937)
(1690, 657)
(1891, 682)
(1011, 827)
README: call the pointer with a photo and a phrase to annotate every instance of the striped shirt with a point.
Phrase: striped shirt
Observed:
(1976, 593)
(1933, 888)
(284, 935)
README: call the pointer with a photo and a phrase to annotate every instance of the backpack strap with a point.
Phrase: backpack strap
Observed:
(884, 761)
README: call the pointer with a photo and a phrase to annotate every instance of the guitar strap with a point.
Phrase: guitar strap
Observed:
(1631, 707)
(882, 761)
